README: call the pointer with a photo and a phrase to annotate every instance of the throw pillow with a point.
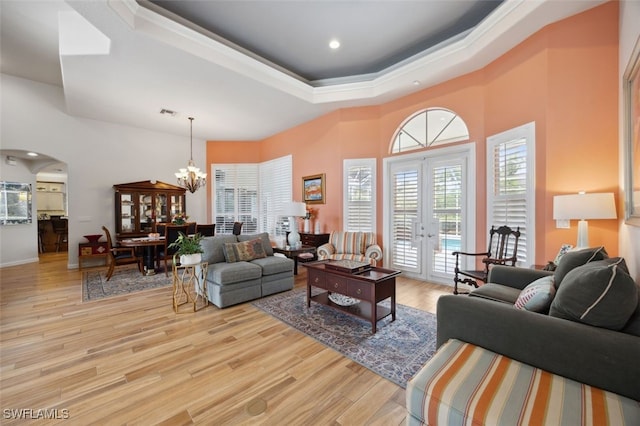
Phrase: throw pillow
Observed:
(537, 296)
(244, 251)
(599, 293)
(575, 258)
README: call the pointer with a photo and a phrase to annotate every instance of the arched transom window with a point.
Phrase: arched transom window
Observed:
(433, 126)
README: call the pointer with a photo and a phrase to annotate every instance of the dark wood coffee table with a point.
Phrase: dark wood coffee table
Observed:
(370, 287)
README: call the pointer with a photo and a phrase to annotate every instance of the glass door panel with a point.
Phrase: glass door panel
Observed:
(161, 209)
(127, 213)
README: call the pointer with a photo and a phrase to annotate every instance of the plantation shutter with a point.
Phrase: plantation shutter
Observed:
(235, 189)
(360, 200)
(405, 215)
(447, 211)
(510, 198)
(275, 190)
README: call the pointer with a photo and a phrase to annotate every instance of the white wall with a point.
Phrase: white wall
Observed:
(98, 155)
(629, 33)
(19, 243)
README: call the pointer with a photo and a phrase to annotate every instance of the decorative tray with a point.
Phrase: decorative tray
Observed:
(349, 266)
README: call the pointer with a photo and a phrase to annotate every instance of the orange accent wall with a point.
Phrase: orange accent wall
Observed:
(564, 77)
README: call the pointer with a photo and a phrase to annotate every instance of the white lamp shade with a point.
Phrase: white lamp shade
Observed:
(584, 206)
(294, 208)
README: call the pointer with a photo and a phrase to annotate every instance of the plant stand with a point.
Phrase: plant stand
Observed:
(189, 287)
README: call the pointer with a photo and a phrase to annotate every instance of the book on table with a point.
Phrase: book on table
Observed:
(348, 266)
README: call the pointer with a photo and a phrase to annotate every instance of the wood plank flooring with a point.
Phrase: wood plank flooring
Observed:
(132, 360)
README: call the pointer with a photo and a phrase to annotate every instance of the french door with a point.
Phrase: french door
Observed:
(428, 215)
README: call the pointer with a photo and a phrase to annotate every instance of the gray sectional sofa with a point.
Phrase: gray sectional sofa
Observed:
(580, 323)
(243, 268)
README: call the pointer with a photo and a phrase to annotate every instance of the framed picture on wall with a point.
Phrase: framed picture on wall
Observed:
(313, 189)
(632, 137)
(15, 203)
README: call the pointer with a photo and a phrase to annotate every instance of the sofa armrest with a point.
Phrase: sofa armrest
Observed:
(596, 356)
(515, 277)
(325, 250)
(373, 252)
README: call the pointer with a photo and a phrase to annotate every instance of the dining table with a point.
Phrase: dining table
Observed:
(149, 245)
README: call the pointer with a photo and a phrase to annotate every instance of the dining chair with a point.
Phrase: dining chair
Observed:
(61, 229)
(503, 250)
(237, 228)
(191, 228)
(160, 227)
(165, 252)
(119, 256)
(206, 230)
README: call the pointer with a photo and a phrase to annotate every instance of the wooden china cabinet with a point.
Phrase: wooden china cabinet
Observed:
(140, 205)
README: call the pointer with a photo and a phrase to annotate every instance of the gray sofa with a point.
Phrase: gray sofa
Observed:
(240, 271)
(597, 346)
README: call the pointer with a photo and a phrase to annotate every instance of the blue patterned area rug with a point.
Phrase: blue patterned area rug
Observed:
(397, 350)
(123, 281)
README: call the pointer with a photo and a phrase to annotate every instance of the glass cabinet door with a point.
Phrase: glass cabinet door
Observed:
(177, 205)
(146, 212)
(161, 208)
(127, 213)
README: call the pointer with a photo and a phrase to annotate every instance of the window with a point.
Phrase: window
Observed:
(252, 194)
(510, 180)
(360, 189)
(434, 126)
(275, 190)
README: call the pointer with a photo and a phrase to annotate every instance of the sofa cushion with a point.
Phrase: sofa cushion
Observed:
(350, 242)
(212, 247)
(599, 293)
(467, 384)
(537, 296)
(229, 273)
(272, 265)
(244, 251)
(264, 236)
(497, 292)
(575, 258)
(633, 325)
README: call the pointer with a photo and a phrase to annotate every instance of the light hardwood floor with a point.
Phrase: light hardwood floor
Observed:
(131, 360)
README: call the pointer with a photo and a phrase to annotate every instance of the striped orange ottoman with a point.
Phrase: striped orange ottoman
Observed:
(464, 384)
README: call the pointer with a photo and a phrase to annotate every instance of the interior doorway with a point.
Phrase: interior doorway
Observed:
(50, 200)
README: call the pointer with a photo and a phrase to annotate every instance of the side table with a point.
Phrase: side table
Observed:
(293, 254)
(92, 250)
(189, 286)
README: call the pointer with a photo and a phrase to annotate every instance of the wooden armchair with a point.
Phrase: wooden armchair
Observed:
(119, 256)
(503, 250)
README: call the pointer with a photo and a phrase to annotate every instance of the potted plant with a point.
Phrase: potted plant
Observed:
(188, 248)
(179, 219)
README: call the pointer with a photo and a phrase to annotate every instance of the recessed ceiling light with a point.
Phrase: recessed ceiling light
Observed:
(416, 83)
(32, 154)
(334, 44)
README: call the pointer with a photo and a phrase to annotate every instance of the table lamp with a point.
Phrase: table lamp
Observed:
(294, 209)
(584, 206)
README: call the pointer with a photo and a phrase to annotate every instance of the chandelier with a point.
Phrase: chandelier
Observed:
(191, 178)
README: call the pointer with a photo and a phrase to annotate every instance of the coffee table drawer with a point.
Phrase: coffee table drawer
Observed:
(336, 283)
(317, 278)
(359, 290)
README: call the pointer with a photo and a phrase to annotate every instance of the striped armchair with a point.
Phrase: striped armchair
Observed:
(360, 246)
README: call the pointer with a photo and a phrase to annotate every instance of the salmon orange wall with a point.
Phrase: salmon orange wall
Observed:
(564, 78)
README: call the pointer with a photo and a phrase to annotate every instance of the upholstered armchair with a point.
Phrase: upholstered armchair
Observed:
(360, 246)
